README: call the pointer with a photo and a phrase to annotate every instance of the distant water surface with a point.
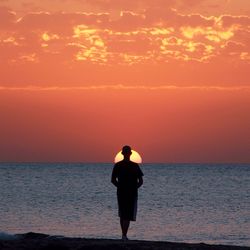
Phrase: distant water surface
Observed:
(179, 202)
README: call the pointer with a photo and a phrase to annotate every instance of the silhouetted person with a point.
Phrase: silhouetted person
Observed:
(127, 177)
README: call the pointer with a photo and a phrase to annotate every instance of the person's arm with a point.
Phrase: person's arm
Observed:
(140, 182)
(114, 178)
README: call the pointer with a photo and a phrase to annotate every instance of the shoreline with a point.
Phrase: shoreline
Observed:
(30, 241)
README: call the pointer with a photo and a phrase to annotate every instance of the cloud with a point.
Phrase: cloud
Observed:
(232, 47)
(138, 46)
(130, 4)
(125, 87)
(60, 22)
(141, 4)
(152, 39)
(128, 21)
(7, 18)
(229, 20)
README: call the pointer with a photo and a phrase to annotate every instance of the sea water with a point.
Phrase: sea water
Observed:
(207, 203)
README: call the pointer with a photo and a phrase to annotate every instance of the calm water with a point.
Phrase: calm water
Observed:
(178, 202)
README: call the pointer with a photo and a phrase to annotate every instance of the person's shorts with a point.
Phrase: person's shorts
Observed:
(127, 205)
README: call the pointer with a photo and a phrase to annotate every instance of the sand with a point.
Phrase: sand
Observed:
(34, 241)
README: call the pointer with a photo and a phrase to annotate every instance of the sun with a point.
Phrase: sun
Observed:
(135, 157)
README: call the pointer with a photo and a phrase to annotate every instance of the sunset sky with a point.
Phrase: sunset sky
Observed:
(81, 78)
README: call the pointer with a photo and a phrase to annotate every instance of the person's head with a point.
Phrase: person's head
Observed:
(126, 151)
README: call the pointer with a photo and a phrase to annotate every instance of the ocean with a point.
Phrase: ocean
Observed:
(207, 203)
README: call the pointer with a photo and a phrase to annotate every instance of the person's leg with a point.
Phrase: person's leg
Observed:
(124, 226)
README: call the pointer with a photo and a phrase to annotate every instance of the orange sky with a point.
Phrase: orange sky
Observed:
(80, 78)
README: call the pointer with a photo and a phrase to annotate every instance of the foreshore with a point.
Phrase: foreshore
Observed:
(35, 241)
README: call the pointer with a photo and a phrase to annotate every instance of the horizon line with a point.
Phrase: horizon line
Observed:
(102, 162)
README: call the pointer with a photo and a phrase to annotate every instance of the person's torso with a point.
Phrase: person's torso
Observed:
(127, 175)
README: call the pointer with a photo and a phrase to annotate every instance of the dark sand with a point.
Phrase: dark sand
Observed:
(34, 241)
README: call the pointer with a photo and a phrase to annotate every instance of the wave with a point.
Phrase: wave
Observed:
(7, 236)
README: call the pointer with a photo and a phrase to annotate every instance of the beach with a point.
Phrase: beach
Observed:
(30, 241)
